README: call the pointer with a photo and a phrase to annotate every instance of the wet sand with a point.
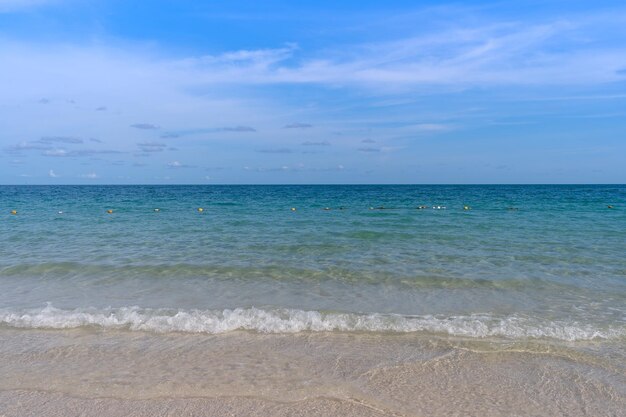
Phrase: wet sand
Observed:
(88, 372)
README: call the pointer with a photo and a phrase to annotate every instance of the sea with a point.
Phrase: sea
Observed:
(317, 270)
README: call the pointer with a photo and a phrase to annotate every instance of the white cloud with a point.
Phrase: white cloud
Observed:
(492, 54)
(260, 58)
(505, 54)
(52, 174)
(178, 164)
(141, 88)
(298, 126)
(56, 152)
(152, 146)
(91, 176)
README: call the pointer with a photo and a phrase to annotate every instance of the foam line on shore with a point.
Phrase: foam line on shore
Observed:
(294, 321)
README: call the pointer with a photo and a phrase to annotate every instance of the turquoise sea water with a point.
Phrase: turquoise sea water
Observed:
(524, 262)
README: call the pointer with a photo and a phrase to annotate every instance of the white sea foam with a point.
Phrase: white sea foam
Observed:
(293, 321)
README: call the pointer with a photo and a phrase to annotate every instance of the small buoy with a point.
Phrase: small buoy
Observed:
(110, 211)
(609, 206)
(157, 210)
(421, 207)
(467, 208)
(326, 208)
(293, 209)
(60, 212)
(200, 209)
(13, 211)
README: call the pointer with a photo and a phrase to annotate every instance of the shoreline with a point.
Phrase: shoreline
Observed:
(116, 373)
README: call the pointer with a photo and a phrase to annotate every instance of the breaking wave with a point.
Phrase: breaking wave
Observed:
(294, 321)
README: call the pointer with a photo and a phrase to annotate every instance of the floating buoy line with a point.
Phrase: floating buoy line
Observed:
(327, 208)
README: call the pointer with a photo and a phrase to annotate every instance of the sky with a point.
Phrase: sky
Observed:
(284, 92)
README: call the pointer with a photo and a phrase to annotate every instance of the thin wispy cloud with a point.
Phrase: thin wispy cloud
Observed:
(237, 129)
(282, 168)
(62, 153)
(313, 143)
(145, 126)
(26, 146)
(298, 126)
(206, 130)
(45, 143)
(178, 165)
(56, 153)
(502, 54)
(275, 150)
(294, 168)
(492, 54)
(432, 127)
(152, 146)
(60, 139)
(261, 59)
(489, 54)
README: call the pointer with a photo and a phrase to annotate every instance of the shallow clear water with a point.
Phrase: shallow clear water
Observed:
(524, 262)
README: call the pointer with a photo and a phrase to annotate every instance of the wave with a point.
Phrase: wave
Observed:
(295, 321)
(76, 270)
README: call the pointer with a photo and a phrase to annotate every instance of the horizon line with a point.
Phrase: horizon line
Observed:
(300, 184)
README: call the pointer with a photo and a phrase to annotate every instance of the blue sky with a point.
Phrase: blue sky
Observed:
(312, 92)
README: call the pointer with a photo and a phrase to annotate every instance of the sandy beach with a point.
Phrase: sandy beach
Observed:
(118, 373)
